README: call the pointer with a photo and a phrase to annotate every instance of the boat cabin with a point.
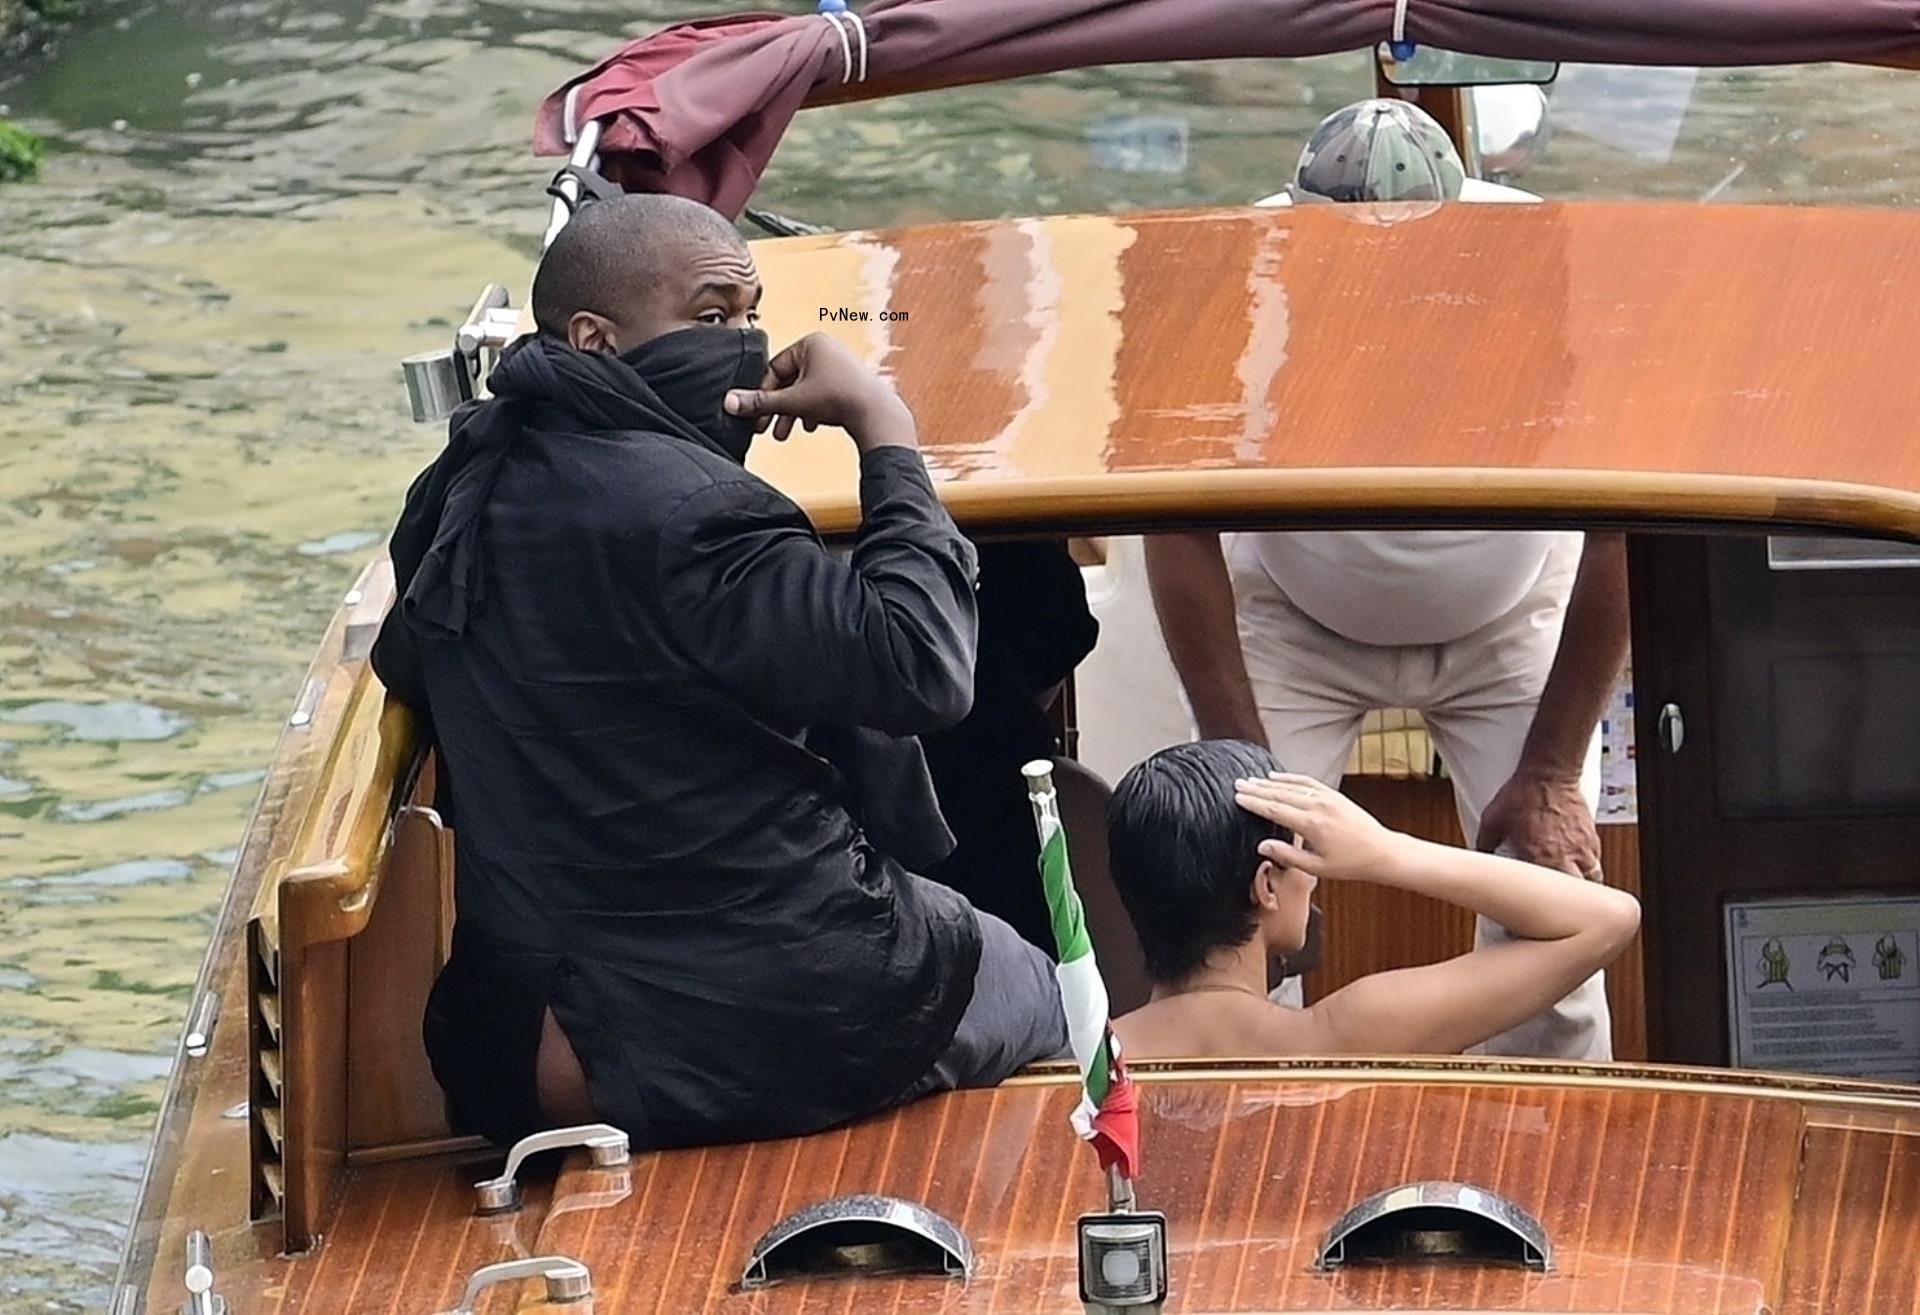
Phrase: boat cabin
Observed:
(1725, 386)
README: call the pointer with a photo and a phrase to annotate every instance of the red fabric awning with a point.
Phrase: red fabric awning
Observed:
(698, 108)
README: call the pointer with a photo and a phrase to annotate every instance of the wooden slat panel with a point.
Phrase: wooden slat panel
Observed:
(1251, 1173)
(406, 1246)
(1855, 1226)
(1627, 977)
(1658, 1198)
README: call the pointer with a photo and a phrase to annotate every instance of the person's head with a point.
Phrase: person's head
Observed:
(629, 269)
(1378, 150)
(1186, 860)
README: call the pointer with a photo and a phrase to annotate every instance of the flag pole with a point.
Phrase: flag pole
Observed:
(1122, 1253)
(1046, 818)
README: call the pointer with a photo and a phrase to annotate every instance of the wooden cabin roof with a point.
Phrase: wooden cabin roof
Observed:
(1632, 361)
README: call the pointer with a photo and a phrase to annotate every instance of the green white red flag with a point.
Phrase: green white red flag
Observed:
(1107, 1114)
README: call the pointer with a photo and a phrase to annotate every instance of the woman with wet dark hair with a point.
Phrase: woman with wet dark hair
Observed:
(1216, 853)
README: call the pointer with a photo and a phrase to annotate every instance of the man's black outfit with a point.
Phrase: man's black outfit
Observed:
(657, 693)
(1035, 628)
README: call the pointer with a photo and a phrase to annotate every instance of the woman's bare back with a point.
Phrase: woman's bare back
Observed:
(1211, 1025)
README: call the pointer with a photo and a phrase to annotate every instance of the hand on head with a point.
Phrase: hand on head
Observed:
(819, 382)
(1334, 837)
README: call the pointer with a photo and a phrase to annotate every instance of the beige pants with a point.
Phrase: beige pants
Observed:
(1477, 695)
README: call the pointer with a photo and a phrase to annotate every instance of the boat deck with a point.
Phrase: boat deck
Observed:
(1658, 1195)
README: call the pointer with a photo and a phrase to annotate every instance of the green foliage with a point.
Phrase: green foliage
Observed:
(20, 152)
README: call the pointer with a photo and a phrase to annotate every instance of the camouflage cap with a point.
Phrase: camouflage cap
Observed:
(1378, 150)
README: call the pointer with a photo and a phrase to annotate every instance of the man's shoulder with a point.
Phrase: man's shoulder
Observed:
(657, 476)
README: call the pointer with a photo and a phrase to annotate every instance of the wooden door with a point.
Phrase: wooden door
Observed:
(1779, 723)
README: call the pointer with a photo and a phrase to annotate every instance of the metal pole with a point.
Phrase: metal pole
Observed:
(586, 155)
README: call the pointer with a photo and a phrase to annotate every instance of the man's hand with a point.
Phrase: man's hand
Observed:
(1545, 820)
(818, 382)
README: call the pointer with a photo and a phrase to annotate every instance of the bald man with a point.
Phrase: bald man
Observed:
(679, 732)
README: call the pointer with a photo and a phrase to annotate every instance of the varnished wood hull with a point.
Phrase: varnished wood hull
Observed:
(1657, 1194)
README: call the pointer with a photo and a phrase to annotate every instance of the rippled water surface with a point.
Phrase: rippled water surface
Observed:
(251, 210)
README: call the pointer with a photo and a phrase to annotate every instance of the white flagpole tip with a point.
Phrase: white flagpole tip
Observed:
(1037, 771)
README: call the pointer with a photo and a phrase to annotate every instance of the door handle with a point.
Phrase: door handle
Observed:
(1673, 727)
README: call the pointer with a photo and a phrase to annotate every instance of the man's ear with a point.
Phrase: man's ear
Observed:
(1266, 885)
(589, 332)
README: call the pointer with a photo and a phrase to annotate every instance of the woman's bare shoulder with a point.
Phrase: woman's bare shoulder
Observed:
(1211, 1027)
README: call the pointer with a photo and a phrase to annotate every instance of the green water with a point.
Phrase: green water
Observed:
(250, 211)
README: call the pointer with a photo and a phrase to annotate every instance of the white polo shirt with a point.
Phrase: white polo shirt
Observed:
(1401, 587)
(1395, 587)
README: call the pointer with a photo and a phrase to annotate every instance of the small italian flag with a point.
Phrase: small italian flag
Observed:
(1107, 1114)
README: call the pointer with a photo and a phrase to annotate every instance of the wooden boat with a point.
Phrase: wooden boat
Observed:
(1122, 375)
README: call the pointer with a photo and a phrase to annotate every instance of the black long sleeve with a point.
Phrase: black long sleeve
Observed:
(883, 639)
(396, 653)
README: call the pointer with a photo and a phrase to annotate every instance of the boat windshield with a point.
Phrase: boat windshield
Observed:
(1181, 134)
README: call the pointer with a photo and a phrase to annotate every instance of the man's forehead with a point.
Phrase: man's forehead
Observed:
(707, 261)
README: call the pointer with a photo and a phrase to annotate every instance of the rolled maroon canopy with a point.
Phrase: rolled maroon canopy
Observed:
(698, 108)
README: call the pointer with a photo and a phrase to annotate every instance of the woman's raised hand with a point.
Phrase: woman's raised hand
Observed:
(1333, 836)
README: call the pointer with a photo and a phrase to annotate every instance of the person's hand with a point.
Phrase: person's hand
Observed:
(1333, 836)
(816, 381)
(1544, 820)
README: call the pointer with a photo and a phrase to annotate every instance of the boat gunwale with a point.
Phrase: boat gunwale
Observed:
(1502, 1071)
(297, 768)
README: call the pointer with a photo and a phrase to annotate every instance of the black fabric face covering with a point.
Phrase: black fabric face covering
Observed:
(691, 372)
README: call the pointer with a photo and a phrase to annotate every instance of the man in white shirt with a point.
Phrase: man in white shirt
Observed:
(1508, 642)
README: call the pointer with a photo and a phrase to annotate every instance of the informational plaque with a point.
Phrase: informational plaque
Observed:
(1826, 986)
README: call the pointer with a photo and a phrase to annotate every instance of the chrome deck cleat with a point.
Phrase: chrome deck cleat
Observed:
(604, 1142)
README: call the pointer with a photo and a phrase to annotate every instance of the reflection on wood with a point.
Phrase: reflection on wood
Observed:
(1251, 1175)
(1308, 360)
(404, 1243)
